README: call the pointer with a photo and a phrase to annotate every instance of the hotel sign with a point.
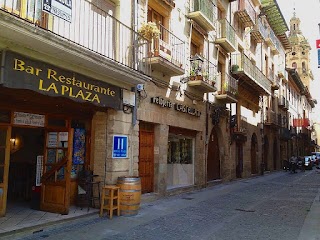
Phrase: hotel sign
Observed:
(23, 73)
(59, 8)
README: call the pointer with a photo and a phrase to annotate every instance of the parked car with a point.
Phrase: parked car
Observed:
(308, 162)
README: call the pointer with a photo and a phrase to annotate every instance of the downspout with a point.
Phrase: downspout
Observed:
(2, 62)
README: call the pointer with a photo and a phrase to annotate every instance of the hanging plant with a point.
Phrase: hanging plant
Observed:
(149, 31)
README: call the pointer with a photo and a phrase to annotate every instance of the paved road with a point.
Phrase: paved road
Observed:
(275, 206)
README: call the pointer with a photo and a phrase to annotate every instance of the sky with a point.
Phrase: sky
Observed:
(308, 12)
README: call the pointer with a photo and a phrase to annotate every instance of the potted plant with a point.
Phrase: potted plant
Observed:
(235, 68)
(149, 31)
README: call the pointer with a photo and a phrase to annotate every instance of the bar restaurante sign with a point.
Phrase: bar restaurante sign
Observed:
(23, 73)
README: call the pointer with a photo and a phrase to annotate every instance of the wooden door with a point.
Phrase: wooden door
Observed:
(56, 178)
(213, 159)
(5, 133)
(146, 157)
(254, 169)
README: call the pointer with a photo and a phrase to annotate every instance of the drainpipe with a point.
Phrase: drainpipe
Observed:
(2, 62)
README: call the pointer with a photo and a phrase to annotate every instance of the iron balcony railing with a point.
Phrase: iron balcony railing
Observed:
(271, 75)
(169, 47)
(274, 40)
(283, 102)
(225, 30)
(263, 30)
(229, 86)
(204, 6)
(245, 5)
(203, 69)
(285, 133)
(239, 124)
(90, 27)
(241, 63)
(271, 117)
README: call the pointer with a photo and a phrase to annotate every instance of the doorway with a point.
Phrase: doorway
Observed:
(26, 146)
(213, 162)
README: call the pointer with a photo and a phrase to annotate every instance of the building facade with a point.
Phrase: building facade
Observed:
(183, 94)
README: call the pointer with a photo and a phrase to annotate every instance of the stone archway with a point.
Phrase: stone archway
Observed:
(254, 148)
(213, 159)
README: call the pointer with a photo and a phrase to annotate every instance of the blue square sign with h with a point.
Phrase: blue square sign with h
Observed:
(120, 146)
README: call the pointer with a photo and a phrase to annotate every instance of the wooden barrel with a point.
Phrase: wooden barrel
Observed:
(130, 195)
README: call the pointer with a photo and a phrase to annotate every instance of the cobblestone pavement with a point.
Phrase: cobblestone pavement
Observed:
(273, 206)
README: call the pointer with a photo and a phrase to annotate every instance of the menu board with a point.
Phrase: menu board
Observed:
(39, 169)
(29, 119)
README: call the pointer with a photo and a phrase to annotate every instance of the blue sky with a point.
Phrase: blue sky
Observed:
(308, 12)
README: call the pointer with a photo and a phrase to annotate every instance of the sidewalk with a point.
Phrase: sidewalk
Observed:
(210, 214)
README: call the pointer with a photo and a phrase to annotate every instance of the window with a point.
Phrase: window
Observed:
(179, 150)
(294, 65)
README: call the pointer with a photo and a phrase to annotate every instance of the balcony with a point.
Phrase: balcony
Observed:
(167, 53)
(259, 33)
(239, 128)
(271, 119)
(285, 134)
(227, 89)
(273, 42)
(245, 70)
(90, 38)
(246, 13)
(275, 81)
(283, 103)
(204, 13)
(202, 75)
(226, 36)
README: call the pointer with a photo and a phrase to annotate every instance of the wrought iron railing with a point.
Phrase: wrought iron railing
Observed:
(271, 75)
(271, 117)
(245, 5)
(229, 86)
(285, 133)
(206, 7)
(91, 27)
(274, 39)
(202, 69)
(263, 30)
(225, 30)
(241, 63)
(284, 102)
(169, 47)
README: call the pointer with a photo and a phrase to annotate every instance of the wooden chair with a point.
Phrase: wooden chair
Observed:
(110, 200)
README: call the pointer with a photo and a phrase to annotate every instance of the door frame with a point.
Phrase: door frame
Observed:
(4, 184)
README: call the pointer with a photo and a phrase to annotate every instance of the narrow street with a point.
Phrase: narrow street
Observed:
(277, 205)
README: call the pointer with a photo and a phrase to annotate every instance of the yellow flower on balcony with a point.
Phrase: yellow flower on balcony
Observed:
(149, 31)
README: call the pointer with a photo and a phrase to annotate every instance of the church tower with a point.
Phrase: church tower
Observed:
(299, 57)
